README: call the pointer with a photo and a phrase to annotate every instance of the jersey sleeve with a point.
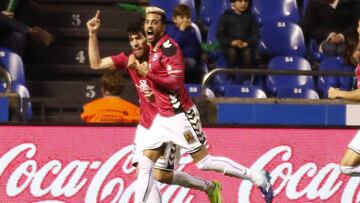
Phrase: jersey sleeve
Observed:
(173, 61)
(120, 60)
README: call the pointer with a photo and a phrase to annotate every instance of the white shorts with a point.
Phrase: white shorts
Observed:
(355, 143)
(183, 129)
(168, 161)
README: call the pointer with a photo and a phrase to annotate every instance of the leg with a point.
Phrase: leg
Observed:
(207, 162)
(246, 59)
(329, 48)
(350, 164)
(232, 56)
(164, 172)
(145, 174)
(341, 49)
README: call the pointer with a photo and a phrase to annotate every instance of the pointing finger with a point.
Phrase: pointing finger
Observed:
(97, 15)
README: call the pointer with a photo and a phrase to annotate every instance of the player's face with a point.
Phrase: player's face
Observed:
(138, 44)
(358, 28)
(154, 28)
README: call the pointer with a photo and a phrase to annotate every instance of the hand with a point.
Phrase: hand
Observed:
(149, 96)
(237, 43)
(143, 68)
(184, 25)
(333, 93)
(8, 13)
(93, 24)
(132, 61)
(336, 39)
(243, 45)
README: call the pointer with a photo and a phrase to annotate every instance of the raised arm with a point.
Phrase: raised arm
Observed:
(96, 62)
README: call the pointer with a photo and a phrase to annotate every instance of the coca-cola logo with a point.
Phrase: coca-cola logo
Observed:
(71, 179)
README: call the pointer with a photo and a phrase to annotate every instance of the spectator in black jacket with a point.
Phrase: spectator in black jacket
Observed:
(238, 34)
(17, 24)
(330, 23)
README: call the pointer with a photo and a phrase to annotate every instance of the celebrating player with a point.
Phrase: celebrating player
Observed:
(178, 119)
(164, 167)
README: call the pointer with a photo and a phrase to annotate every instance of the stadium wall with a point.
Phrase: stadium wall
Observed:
(289, 114)
(91, 164)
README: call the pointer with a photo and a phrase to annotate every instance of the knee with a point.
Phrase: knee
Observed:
(346, 170)
(204, 164)
(163, 176)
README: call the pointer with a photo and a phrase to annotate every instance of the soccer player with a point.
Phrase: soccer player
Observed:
(178, 119)
(164, 168)
(350, 164)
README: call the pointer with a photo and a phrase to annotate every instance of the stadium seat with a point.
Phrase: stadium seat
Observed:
(211, 10)
(5, 80)
(25, 106)
(275, 10)
(276, 82)
(314, 50)
(212, 40)
(334, 64)
(282, 39)
(194, 91)
(168, 6)
(244, 91)
(14, 64)
(297, 92)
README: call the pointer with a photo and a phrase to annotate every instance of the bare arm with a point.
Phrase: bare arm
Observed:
(348, 95)
(96, 62)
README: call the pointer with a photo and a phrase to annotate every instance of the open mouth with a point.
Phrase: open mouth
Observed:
(150, 35)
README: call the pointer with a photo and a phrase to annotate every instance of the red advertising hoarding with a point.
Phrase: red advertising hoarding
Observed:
(92, 165)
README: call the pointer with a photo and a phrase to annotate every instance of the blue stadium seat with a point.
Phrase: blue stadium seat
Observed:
(297, 92)
(25, 106)
(275, 10)
(211, 10)
(168, 6)
(194, 90)
(2, 86)
(276, 82)
(211, 39)
(244, 91)
(329, 64)
(314, 50)
(282, 39)
(13, 63)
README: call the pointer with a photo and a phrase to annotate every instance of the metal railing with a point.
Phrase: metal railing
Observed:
(236, 71)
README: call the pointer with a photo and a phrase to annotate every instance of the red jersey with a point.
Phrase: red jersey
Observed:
(357, 73)
(148, 110)
(166, 74)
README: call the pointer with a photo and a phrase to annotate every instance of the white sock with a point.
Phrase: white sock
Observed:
(145, 180)
(155, 195)
(186, 180)
(224, 165)
(350, 170)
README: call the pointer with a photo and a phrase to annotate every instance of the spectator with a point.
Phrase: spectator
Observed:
(330, 22)
(185, 35)
(16, 25)
(354, 54)
(111, 108)
(238, 34)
